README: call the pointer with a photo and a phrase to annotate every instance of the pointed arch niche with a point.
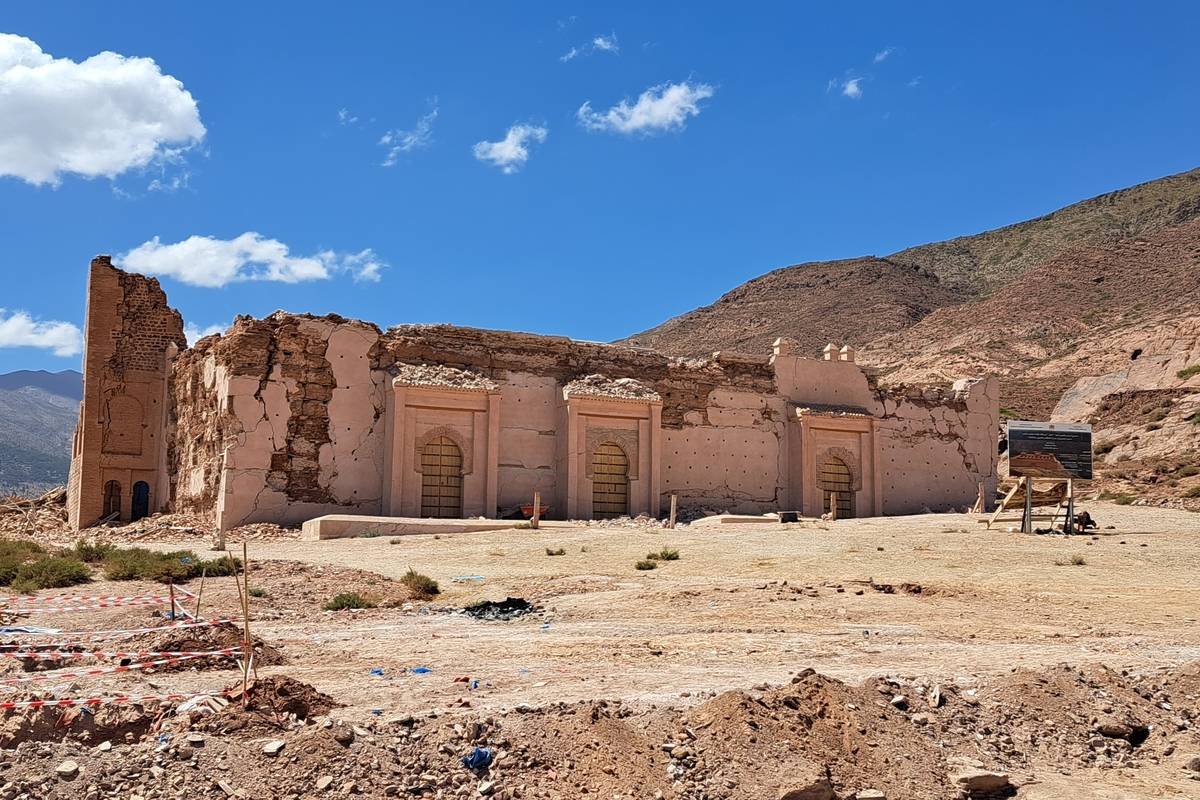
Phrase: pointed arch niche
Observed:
(468, 417)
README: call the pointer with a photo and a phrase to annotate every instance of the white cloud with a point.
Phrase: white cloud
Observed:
(95, 118)
(511, 152)
(915, 82)
(606, 44)
(599, 44)
(399, 141)
(209, 262)
(194, 333)
(18, 329)
(852, 89)
(883, 54)
(345, 117)
(660, 108)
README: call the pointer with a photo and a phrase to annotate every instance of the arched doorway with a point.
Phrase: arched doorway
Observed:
(835, 478)
(140, 504)
(112, 500)
(441, 478)
(610, 482)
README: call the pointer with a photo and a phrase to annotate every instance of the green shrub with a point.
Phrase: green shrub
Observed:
(1192, 492)
(14, 553)
(92, 552)
(665, 554)
(1193, 418)
(421, 585)
(1187, 471)
(138, 563)
(561, 551)
(257, 591)
(1188, 372)
(646, 563)
(49, 573)
(1118, 498)
(348, 600)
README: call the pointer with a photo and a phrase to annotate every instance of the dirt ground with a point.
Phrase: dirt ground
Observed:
(1018, 632)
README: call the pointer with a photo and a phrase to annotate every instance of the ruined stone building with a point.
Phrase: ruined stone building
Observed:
(291, 417)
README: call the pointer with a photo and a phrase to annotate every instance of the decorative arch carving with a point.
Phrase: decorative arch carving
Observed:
(454, 435)
(847, 457)
(623, 438)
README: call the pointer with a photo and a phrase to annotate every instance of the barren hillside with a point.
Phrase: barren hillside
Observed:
(858, 300)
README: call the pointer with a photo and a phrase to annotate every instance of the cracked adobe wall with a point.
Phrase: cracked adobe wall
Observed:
(937, 445)
(281, 420)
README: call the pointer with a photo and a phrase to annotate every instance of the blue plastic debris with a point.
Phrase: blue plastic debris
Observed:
(474, 684)
(377, 711)
(377, 672)
(420, 670)
(480, 757)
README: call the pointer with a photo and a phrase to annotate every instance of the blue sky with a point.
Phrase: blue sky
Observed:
(367, 159)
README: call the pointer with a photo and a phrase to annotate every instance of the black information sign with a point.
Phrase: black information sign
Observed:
(1049, 450)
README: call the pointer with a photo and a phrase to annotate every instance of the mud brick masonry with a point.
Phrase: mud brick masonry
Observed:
(292, 417)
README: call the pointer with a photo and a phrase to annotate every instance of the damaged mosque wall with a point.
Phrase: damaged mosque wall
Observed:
(291, 417)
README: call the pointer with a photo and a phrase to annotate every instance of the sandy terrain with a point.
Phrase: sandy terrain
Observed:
(924, 600)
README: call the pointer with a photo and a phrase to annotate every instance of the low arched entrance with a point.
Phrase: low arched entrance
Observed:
(140, 502)
(610, 482)
(441, 478)
(836, 480)
(112, 500)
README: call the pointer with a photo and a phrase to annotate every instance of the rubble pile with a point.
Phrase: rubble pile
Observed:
(811, 739)
(603, 386)
(440, 375)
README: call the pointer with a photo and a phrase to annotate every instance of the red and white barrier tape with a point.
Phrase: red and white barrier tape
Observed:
(89, 607)
(121, 632)
(57, 675)
(83, 598)
(72, 702)
(66, 655)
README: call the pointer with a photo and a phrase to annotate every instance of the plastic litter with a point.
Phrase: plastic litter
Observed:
(376, 672)
(467, 579)
(420, 670)
(480, 757)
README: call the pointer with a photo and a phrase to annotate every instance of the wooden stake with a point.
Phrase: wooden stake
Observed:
(249, 650)
(674, 507)
(171, 589)
(537, 510)
(833, 506)
(200, 591)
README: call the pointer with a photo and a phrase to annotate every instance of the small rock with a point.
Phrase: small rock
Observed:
(1193, 764)
(485, 788)
(67, 769)
(935, 697)
(343, 735)
(324, 782)
(982, 782)
(104, 746)
(900, 702)
(273, 747)
(195, 740)
(870, 794)
(226, 788)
